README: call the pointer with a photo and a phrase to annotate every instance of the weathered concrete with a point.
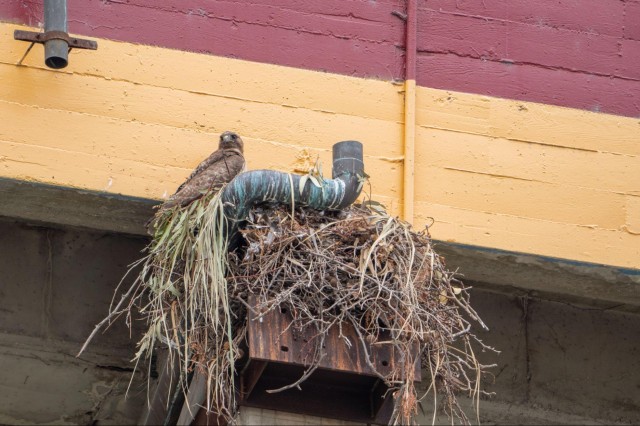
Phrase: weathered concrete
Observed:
(74, 207)
(560, 362)
(59, 283)
(55, 285)
(42, 382)
(505, 271)
(585, 361)
(546, 277)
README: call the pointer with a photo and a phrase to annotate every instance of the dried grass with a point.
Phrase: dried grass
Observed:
(359, 267)
(365, 268)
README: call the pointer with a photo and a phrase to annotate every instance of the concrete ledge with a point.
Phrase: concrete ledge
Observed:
(559, 362)
(43, 383)
(74, 207)
(553, 278)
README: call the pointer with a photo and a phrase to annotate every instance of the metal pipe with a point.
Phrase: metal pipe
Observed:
(348, 166)
(410, 110)
(57, 42)
(268, 186)
(56, 50)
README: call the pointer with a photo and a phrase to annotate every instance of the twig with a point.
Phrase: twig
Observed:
(112, 314)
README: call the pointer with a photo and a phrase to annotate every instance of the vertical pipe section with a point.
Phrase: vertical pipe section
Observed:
(255, 187)
(56, 51)
(410, 110)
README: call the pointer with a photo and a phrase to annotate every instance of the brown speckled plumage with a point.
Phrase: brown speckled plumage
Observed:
(219, 168)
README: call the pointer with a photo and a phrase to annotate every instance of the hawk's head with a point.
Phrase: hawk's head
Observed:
(231, 140)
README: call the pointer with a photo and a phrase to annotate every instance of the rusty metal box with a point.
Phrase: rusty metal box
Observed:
(343, 387)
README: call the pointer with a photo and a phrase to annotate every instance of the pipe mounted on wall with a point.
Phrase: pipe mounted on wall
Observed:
(410, 110)
(56, 50)
(55, 39)
(269, 186)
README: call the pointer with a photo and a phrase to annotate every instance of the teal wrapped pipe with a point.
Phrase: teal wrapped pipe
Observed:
(256, 187)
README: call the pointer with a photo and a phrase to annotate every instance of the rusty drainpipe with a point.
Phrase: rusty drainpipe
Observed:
(410, 109)
(56, 50)
(57, 43)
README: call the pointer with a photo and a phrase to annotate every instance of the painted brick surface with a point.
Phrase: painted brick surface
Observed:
(632, 20)
(589, 16)
(513, 175)
(566, 53)
(534, 83)
(577, 54)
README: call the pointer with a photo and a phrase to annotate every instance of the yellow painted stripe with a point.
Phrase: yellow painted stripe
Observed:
(76, 169)
(497, 173)
(220, 77)
(526, 235)
(135, 178)
(528, 161)
(528, 122)
(103, 136)
(177, 108)
(529, 177)
(632, 210)
(125, 143)
(522, 198)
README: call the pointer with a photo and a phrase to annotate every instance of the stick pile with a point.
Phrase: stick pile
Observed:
(358, 266)
(367, 269)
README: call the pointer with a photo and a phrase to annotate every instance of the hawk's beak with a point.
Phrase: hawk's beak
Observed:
(227, 138)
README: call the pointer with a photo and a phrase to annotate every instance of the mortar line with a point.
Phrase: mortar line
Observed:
(48, 288)
(525, 317)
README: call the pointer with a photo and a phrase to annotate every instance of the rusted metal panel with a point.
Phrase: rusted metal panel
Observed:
(34, 37)
(250, 376)
(344, 386)
(272, 338)
(326, 393)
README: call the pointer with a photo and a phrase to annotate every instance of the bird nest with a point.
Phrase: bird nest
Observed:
(358, 266)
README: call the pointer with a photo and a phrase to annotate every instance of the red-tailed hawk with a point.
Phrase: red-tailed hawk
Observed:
(219, 168)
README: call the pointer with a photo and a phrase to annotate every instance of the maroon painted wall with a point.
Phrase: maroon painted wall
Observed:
(350, 37)
(575, 53)
(578, 53)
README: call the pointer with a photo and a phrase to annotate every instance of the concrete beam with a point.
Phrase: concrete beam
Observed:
(505, 271)
(74, 207)
(559, 362)
(603, 286)
(44, 383)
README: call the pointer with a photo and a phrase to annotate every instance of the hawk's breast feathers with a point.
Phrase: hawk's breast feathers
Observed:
(219, 168)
